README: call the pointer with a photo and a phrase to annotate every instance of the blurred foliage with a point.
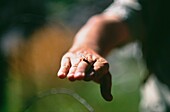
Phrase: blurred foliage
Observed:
(74, 13)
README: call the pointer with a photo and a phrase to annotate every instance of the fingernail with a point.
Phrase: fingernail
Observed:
(70, 77)
(61, 75)
(109, 98)
(78, 74)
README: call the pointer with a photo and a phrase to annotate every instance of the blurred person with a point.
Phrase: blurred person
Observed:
(124, 21)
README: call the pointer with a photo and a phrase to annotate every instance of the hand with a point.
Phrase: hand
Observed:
(86, 64)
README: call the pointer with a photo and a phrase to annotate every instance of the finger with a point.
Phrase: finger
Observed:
(101, 67)
(74, 64)
(90, 72)
(71, 73)
(105, 87)
(64, 68)
(80, 71)
(84, 68)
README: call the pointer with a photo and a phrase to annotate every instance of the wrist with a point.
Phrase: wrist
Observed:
(84, 46)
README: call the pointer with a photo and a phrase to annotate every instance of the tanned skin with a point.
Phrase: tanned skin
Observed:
(85, 60)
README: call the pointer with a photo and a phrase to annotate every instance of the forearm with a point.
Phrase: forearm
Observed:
(102, 33)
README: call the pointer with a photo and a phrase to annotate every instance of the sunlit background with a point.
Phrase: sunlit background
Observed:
(34, 34)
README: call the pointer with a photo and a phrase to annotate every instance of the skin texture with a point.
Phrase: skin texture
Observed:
(85, 59)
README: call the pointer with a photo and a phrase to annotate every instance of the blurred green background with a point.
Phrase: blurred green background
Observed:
(35, 35)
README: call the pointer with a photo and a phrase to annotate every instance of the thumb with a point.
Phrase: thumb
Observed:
(105, 87)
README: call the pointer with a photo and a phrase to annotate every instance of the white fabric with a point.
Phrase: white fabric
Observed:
(121, 8)
(155, 96)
